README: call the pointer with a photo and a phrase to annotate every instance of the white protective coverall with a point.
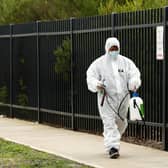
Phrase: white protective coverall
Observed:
(118, 75)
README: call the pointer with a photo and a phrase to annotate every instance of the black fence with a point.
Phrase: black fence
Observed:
(31, 89)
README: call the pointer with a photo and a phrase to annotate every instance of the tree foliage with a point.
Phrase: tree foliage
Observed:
(3, 94)
(19, 11)
(109, 6)
(63, 59)
(22, 98)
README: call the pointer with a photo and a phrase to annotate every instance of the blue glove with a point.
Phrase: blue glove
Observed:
(135, 94)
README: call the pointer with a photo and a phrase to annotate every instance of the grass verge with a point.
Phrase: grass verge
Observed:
(13, 155)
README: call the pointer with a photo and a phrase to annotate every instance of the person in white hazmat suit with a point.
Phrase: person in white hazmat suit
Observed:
(118, 75)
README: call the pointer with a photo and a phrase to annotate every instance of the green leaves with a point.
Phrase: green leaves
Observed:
(109, 6)
(20, 11)
(63, 59)
(22, 98)
(3, 94)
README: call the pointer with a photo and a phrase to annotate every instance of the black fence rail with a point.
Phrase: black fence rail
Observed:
(31, 89)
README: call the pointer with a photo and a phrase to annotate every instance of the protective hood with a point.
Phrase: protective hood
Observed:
(112, 41)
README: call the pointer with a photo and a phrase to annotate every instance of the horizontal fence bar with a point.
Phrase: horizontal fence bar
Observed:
(54, 33)
(78, 115)
(146, 123)
(87, 116)
(92, 30)
(51, 111)
(84, 31)
(137, 26)
(5, 105)
(5, 36)
(24, 35)
(24, 107)
(19, 106)
(35, 34)
(55, 112)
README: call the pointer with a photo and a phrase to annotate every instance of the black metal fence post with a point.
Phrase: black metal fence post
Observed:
(11, 72)
(164, 136)
(72, 84)
(166, 115)
(38, 72)
(112, 24)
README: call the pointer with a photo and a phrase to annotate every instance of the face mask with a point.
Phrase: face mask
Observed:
(113, 54)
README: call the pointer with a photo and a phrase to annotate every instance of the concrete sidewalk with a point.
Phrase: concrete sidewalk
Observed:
(81, 147)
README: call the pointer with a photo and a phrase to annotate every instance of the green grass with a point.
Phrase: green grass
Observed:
(13, 155)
